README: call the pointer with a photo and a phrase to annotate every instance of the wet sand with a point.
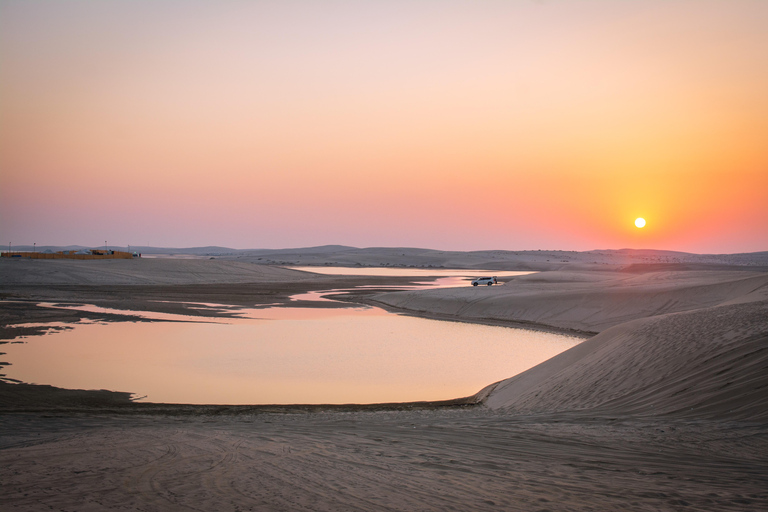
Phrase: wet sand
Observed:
(663, 409)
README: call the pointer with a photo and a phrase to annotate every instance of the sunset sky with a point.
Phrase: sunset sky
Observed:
(442, 124)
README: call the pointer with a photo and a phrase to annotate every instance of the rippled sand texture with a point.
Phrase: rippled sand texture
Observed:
(451, 460)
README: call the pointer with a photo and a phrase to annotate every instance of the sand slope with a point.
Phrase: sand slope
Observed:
(673, 343)
(584, 301)
(706, 363)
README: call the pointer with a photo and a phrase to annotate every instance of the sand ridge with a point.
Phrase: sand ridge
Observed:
(585, 301)
(681, 343)
(704, 363)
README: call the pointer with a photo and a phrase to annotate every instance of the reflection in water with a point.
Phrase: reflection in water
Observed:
(284, 355)
(319, 296)
(411, 272)
(146, 315)
(443, 278)
(296, 355)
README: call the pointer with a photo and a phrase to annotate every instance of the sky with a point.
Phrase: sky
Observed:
(453, 125)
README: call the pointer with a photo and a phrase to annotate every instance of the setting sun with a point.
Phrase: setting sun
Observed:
(573, 115)
(640, 222)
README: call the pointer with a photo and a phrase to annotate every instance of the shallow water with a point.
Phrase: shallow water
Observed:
(282, 355)
(464, 274)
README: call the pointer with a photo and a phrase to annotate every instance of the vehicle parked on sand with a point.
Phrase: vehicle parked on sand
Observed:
(485, 280)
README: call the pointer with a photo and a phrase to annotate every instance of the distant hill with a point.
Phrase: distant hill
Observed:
(341, 255)
(498, 259)
(196, 251)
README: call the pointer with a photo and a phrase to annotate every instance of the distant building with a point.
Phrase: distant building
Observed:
(86, 254)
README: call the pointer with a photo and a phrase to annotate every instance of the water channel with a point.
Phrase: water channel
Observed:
(286, 355)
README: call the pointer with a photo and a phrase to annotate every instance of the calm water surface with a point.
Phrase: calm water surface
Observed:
(284, 355)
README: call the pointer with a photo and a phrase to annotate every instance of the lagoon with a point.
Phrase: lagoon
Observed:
(284, 355)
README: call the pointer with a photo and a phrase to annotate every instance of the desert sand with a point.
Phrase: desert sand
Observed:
(662, 408)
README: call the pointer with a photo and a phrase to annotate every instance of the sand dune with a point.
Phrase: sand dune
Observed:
(682, 343)
(584, 301)
(708, 363)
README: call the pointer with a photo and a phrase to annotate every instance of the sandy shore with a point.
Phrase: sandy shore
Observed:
(663, 409)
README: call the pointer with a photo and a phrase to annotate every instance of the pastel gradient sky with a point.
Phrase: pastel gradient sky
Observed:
(442, 124)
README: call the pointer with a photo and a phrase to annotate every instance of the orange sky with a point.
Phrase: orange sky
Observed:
(441, 124)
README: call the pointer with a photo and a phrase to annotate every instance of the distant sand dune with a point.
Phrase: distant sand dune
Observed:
(586, 301)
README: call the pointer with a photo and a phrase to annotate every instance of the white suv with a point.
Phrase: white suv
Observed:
(484, 280)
